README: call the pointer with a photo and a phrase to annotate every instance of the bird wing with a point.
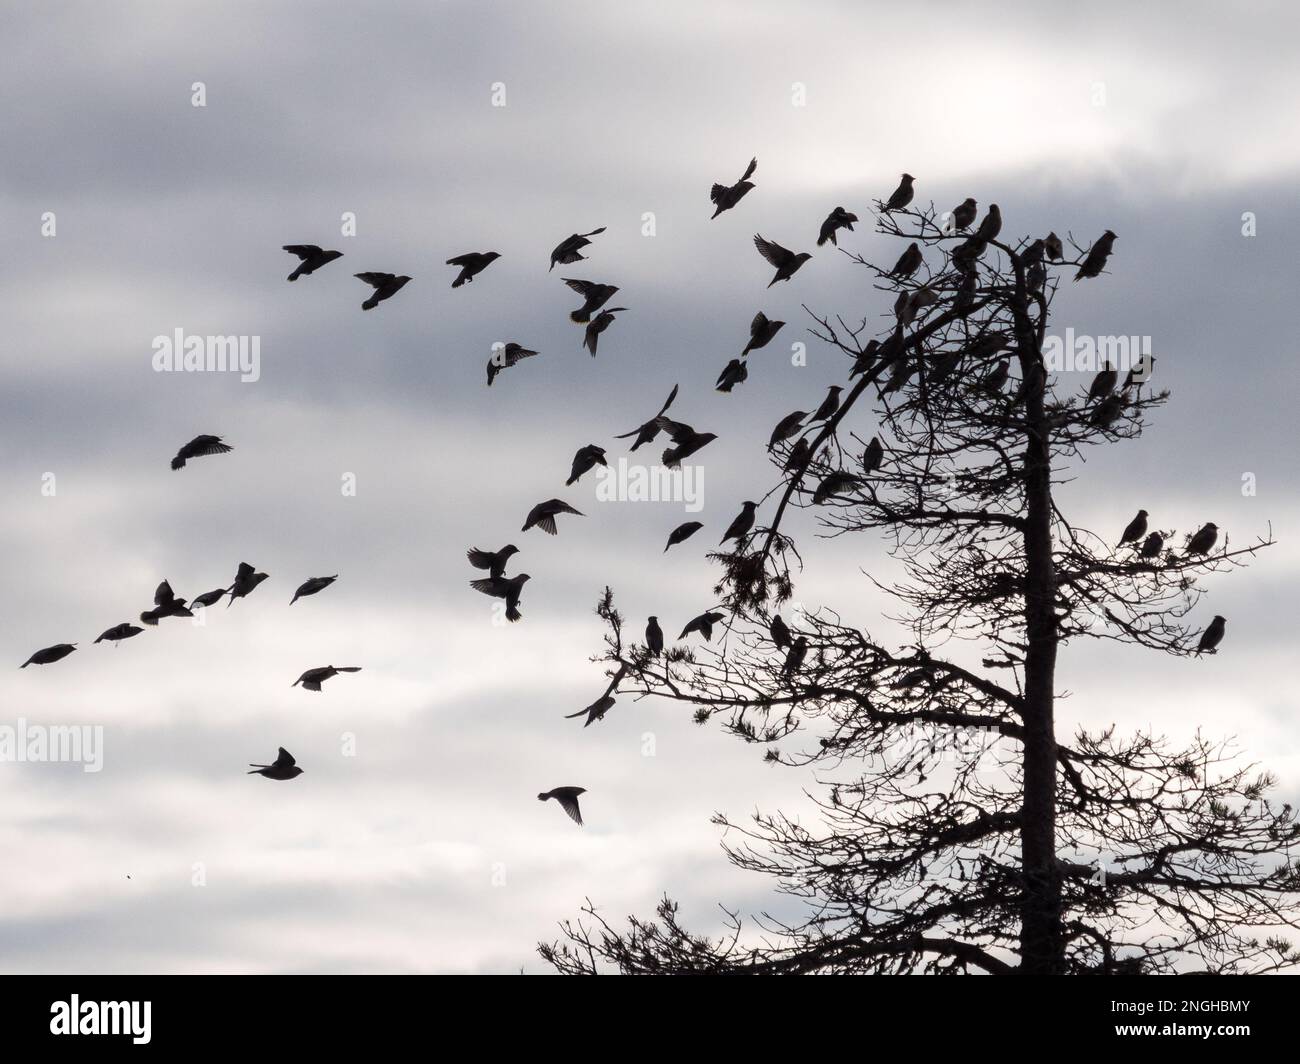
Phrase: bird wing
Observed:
(756, 326)
(583, 288)
(303, 251)
(669, 401)
(514, 353)
(481, 559)
(749, 170)
(491, 585)
(375, 280)
(164, 596)
(774, 253)
(203, 445)
(468, 259)
(558, 506)
(569, 803)
(284, 760)
(245, 571)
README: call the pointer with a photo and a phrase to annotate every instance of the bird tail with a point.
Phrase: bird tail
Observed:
(178, 462)
(513, 614)
(256, 769)
(458, 281)
(370, 304)
(579, 317)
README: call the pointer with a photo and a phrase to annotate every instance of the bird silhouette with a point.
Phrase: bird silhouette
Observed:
(648, 431)
(598, 325)
(901, 196)
(1095, 261)
(829, 405)
(795, 656)
(682, 532)
(654, 637)
(991, 225)
(1204, 539)
(839, 218)
(311, 258)
(282, 768)
(594, 295)
(505, 357)
(587, 458)
(1152, 545)
(246, 579)
(595, 711)
(740, 526)
(799, 455)
(568, 799)
(385, 285)
(873, 455)
(1053, 247)
(1103, 383)
(493, 561)
(703, 624)
(786, 261)
(686, 441)
(1135, 529)
(1211, 637)
(49, 655)
(501, 587)
(780, 632)
(312, 586)
(761, 331)
(198, 447)
(908, 262)
(733, 373)
(471, 264)
(208, 598)
(835, 484)
(963, 214)
(569, 250)
(119, 632)
(725, 197)
(166, 604)
(1105, 412)
(313, 678)
(787, 427)
(543, 515)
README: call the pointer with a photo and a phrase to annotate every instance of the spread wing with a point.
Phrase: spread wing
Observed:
(756, 326)
(481, 559)
(164, 596)
(491, 585)
(569, 803)
(468, 259)
(583, 288)
(749, 170)
(774, 253)
(375, 280)
(284, 760)
(303, 251)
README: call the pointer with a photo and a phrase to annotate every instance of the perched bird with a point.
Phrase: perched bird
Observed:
(786, 261)
(598, 325)
(1033, 254)
(1095, 261)
(198, 447)
(166, 604)
(686, 444)
(799, 455)
(779, 632)
(963, 214)
(49, 655)
(471, 264)
(966, 291)
(873, 455)
(902, 195)
(311, 258)
(829, 405)
(494, 561)
(1107, 411)
(1211, 637)
(1054, 248)
(839, 218)
(385, 285)
(504, 588)
(209, 598)
(543, 515)
(586, 459)
(733, 373)
(595, 296)
(794, 657)
(908, 262)
(505, 357)
(996, 378)
(595, 711)
(1135, 529)
(968, 252)
(787, 427)
(647, 432)
(683, 532)
(943, 366)
(1203, 541)
(313, 678)
(1104, 383)
(246, 579)
(312, 586)
(569, 251)
(654, 637)
(903, 370)
(740, 526)
(282, 768)
(832, 485)
(703, 624)
(991, 224)
(725, 197)
(568, 799)
(1152, 545)
(119, 632)
(761, 331)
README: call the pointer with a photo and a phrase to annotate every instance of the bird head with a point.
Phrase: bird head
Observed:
(542, 797)
(1143, 513)
(1221, 620)
(908, 178)
(492, 255)
(523, 578)
(653, 618)
(803, 256)
(1211, 524)
(295, 771)
(1108, 235)
(509, 549)
(750, 505)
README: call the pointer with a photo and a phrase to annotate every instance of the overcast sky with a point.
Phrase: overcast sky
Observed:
(427, 850)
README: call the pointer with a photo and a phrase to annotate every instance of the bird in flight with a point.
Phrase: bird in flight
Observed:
(703, 624)
(282, 768)
(312, 586)
(569, 251)
(685, 439)
(568, 799)
(733, 373)
(761, 331)
(1095, 261)
(471, 264)
(649, 430)
(1211, 637)
(1135, 529)
(839, 218)
(504, 588)
(246, 579)
(312, 258)
(1204, 539)
(586, 459)
(543, 515)
(598, 325)
(208, 598)
(683, 532)
(505, 357)
(118, 632)
(725, 197)
(787, 263)
(595, 711)
(49, 655)
(313, 678)
(494, 561)
(166, 604)
(902, 195)
(385, 285)
(198, 447)
(595, 296)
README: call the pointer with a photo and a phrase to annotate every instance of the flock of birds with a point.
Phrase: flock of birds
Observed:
(685, 441)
